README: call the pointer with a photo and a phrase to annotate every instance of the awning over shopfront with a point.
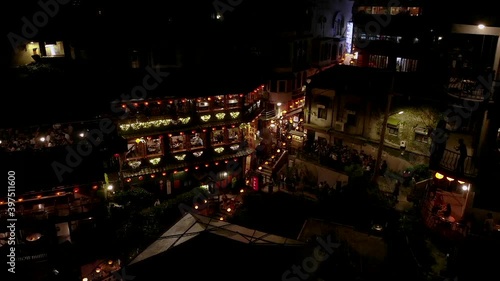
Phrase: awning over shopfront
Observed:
(182, 164)
(393, 122)
(422, 130)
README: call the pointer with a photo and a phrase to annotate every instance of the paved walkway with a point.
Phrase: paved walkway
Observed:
(386, 185)
(296, 192)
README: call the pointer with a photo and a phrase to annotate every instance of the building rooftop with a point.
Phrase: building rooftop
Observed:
(203, 247)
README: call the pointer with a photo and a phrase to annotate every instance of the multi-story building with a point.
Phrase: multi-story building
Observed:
(174, 143)
(471, 99)
(390, 35)
(60, 184)
(346, 105)
(360, 108)
(331, 29)
(307, 37)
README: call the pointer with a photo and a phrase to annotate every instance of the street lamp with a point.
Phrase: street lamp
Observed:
(278, 113)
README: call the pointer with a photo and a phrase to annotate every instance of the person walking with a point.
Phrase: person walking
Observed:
(281, 181)
(395, 192)
(383, 168)
(489, 224)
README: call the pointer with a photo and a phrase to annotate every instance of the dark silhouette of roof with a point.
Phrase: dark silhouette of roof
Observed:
(360, 80)
(202, 247)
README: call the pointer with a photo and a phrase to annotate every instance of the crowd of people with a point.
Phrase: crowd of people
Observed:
(340, 156)
(38, 138)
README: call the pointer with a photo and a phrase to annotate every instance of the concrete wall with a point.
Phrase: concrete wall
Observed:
(422, 116)
(323, 174)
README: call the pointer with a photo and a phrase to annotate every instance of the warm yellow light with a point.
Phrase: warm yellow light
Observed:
(228, 210)
(241, 190)
(461, 182)
(221, 218)
(450, 179)
(439, 176)
(196, 207)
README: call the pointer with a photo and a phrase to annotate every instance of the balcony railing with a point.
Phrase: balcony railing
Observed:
(468, 89)
(449, 163)
(52, 209)
(269, 114)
